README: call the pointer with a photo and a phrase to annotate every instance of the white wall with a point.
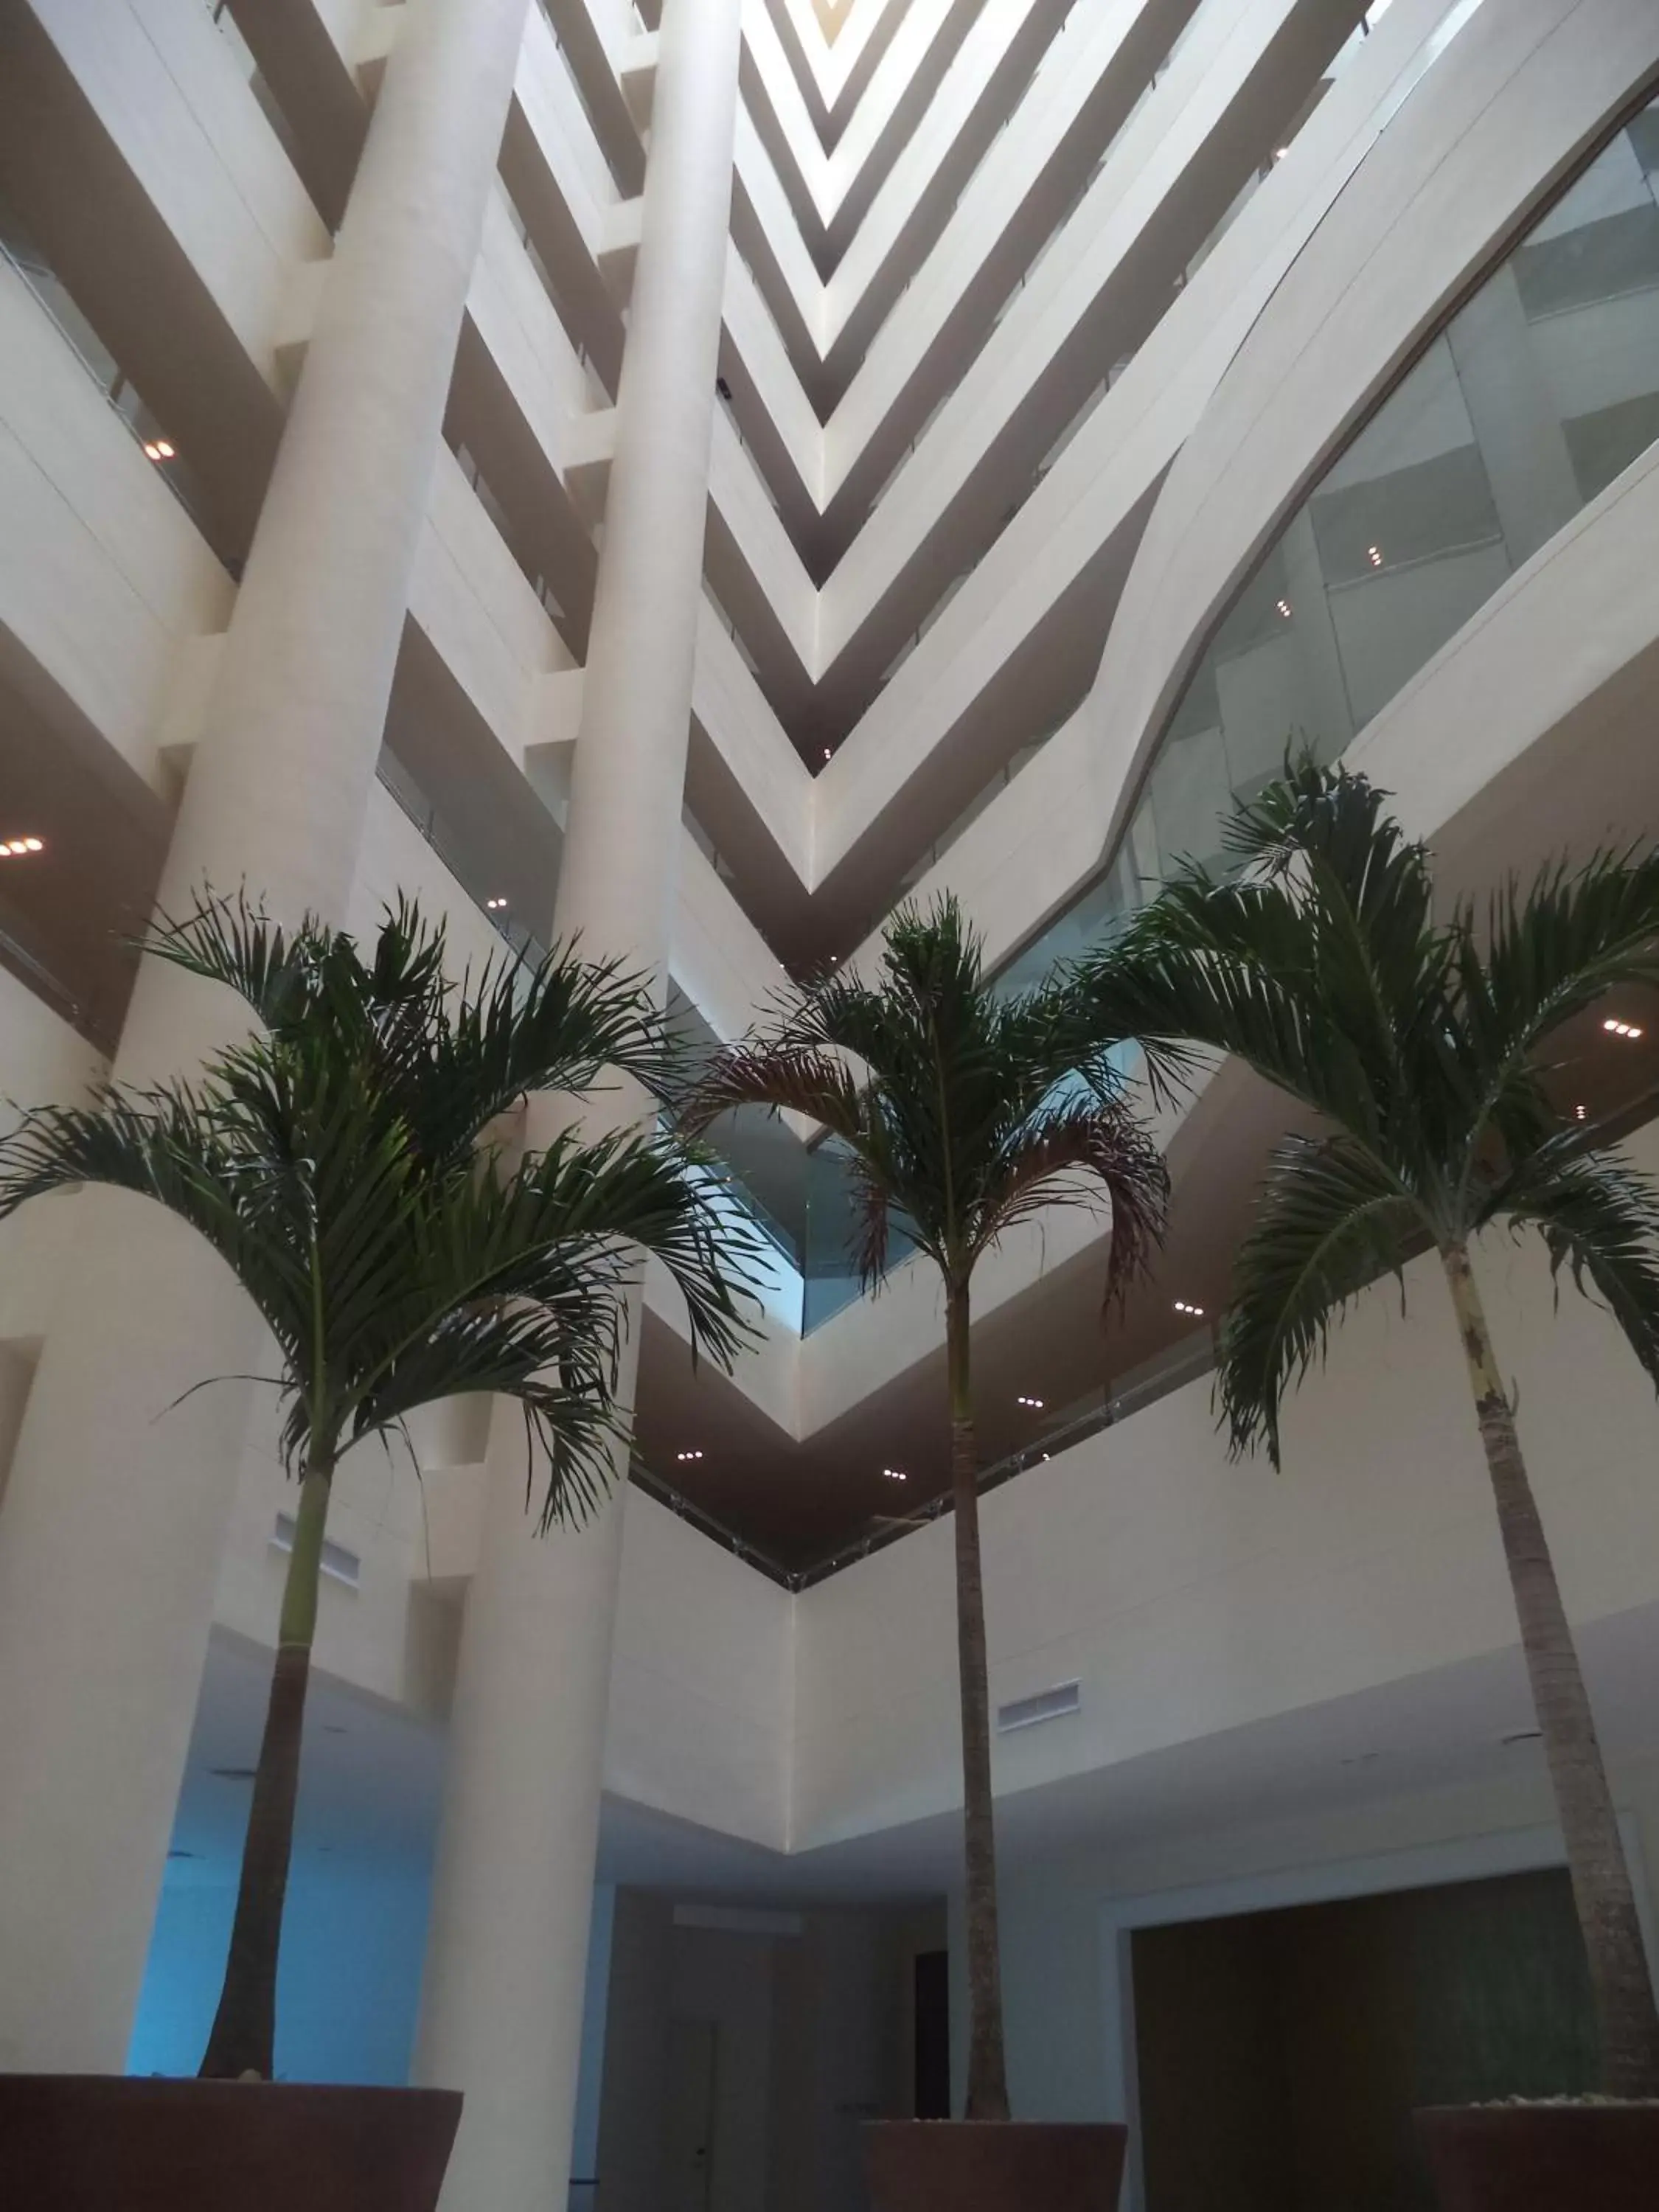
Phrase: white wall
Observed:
(700, 1682)
(1190, 1595)
(331, 2026)
(1067, 1983)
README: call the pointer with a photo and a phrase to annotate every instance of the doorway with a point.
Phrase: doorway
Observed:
(1280, 2054)
(932, 1970)
(693, 2080)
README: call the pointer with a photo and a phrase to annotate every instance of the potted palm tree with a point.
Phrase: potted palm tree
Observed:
(962, 1112)
(1424, 1046)
(339, 1160)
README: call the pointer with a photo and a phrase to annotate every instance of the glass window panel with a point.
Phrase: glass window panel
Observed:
(1424, 417)
(1189, 794)
(1618, 254)
(1603, 445)
(1540, 392)
(1391, 626)
(1416, 513)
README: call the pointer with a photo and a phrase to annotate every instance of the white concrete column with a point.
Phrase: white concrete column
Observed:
(119, 1500)
(501, 2014)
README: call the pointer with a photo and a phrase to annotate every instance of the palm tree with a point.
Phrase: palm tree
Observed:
(1425, 1047)
(963, 1113)
(338, 1161)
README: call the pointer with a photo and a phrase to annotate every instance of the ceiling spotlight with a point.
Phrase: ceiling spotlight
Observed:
(20, 847)
(827, 752)
(1035, 1404)
(1578, 1113)
(1185, 1306)
(495, 905)
(1374, 554)
(684, 1455)
(1629, 1031)
(896, 1475)
(1282, 152)
(1284, 609)
(160, 449)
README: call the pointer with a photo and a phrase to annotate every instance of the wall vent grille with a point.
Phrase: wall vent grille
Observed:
(1047, 1705)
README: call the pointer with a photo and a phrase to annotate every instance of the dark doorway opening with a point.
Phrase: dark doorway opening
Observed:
(1280, 2054)
(933, 1972)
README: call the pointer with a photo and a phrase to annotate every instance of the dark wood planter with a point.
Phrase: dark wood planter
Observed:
(98, 2143)
(991, 2165)
(1543, 2158)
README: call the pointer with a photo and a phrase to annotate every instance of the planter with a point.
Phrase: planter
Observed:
(98, 2143)
(991, 2165)
(1543, 2158)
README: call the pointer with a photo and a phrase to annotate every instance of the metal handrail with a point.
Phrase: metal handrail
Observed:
(1193, 1357)
(108, 395)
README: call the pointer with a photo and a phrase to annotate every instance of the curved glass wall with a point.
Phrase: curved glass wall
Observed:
(1541, 389)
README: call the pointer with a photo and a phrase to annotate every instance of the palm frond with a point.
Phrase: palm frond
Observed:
(162, 1145)
(789, 1071)
(564, 1025)
(1599, 1217)
(1329, 1220)
(1083, 1150)
(227, 939)
(331, 1158)
(941, 1092)
(1550, 951)
(1226, 966)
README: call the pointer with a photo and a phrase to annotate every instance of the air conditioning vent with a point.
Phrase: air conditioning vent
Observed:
(1047, 1705)
(739, 1920)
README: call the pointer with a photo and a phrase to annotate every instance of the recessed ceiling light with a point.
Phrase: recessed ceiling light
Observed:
(1578, 1113)
(896, 1475)
(160, 449)
(1630, 1030)
(1185, 1306)
(1282, 152)
(1374, 554)
(688, 1455)
(495, 905)
(1035, 1404)
(1284, 609)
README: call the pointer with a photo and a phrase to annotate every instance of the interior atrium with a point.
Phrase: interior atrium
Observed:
(691, 478)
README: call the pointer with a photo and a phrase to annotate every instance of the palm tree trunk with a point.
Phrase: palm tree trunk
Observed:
(1624, 2009)
(244, 2035)
(987, 2081)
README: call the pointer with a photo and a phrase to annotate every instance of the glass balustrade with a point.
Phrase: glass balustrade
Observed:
(1536, 395)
